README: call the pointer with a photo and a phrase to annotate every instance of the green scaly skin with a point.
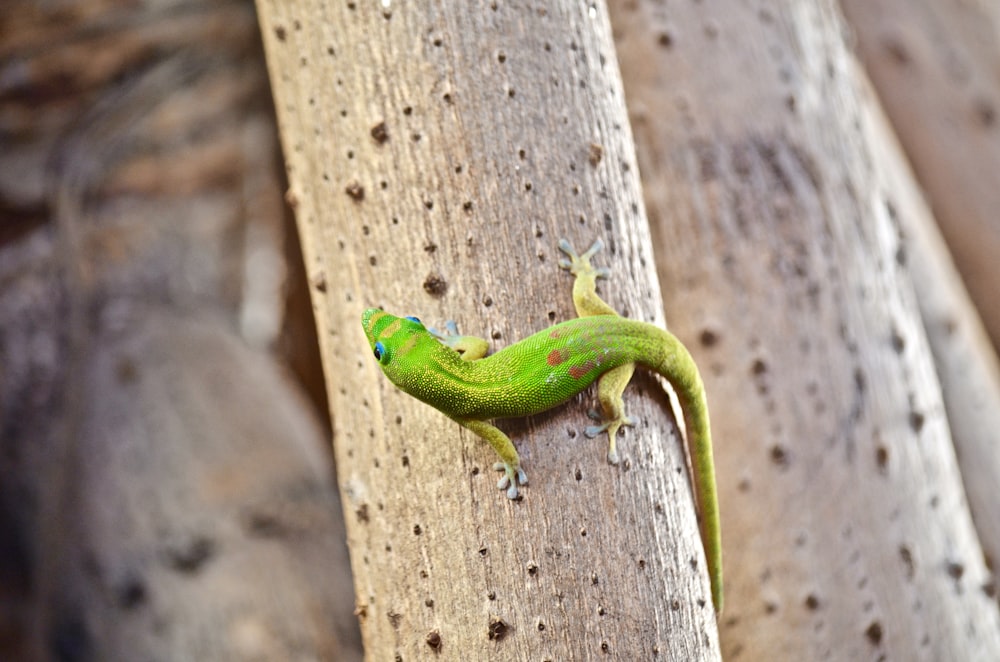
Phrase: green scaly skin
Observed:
(449, 372)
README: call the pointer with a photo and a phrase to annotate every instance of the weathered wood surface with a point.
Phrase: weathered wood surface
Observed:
(933, 66)
(936, 67)
(436, 153)
(784, 253)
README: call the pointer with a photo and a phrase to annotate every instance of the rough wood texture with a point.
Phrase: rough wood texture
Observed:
(931, 64)
(140, 518)
(967, 366)
(935, 65)
(436, 153)
(780, 250)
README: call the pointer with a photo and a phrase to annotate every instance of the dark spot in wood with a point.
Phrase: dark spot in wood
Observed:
(417, 530)
(898, 342)
(131, 592)
(907, 557)
(812, 602)
(280, 32)
(372, 260)
(758, 367)
(394, 619)
(594, 154)
(492, 595)
(435, 285)
(356, 191)
(261, 524)
(708, 338)
(874, 633)
(770, 607)
(501, 57)
(897, 50)
(497, 629)
(955, 570)
(532, 568)
(467, 206)
(406, 461)
(916, 421)
(190, 554)
(779, 456)
(380, 133)
(882, 459)
(985, 113)
(126, 370)
(540, 626)
(665, 39)
(362, 513)
(433, 640)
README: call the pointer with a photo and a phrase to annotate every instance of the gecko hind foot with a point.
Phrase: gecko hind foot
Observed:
(611, 427)
(511, 479)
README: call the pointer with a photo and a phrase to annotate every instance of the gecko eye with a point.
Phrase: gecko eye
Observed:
(379, 351)
(413, 319)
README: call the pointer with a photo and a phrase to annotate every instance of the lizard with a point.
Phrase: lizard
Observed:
(452, 373)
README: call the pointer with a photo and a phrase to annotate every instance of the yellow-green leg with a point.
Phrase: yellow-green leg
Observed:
(612, 383)
(510, 461)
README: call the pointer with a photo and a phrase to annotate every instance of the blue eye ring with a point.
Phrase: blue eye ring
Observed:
(379, 350)
(414, 319)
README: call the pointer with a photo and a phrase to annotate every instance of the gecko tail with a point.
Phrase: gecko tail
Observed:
(678, 367)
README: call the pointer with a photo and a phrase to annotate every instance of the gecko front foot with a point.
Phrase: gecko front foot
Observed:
(579, 265)
(513, 476)
(470, 347)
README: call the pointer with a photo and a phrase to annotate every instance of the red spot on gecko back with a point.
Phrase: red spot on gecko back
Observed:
(580, 371)
(555, 357)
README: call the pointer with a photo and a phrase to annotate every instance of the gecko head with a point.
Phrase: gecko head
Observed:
(391, 338)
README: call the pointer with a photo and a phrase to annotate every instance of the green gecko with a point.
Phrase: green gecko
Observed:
(450, 373)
